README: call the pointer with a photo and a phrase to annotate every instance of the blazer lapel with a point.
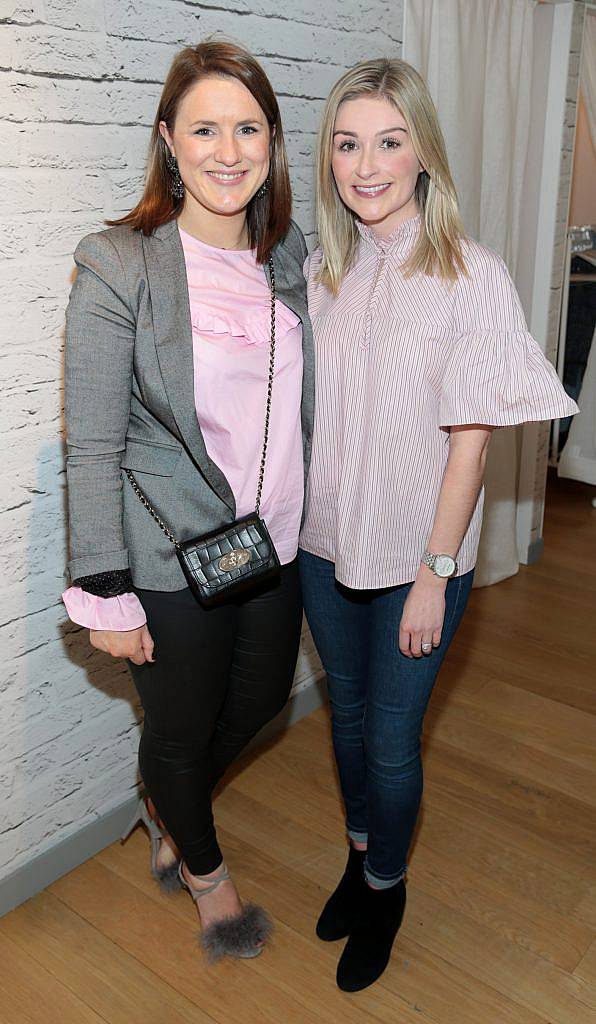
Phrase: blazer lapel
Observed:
(295, 299)
(290, 296)
(166, 274)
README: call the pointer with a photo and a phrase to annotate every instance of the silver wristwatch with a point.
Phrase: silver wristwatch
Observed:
(442, 565)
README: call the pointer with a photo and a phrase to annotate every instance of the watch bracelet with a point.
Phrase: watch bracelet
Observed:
(429, 559)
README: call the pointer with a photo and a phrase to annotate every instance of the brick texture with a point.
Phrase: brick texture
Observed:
(79, 81)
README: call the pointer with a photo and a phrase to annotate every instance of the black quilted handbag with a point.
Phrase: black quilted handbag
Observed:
(220, 564)
(229, 560)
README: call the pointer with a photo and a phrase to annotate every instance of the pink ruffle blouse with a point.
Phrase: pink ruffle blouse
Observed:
(230, 309)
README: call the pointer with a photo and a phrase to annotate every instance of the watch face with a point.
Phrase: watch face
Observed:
(444, 565)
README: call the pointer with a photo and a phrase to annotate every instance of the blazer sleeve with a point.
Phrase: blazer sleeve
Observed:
(100, 336)
(297, 243)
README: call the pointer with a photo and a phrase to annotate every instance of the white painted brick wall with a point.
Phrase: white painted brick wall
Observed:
(79, 82)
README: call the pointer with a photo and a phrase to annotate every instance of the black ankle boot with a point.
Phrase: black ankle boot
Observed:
(368, 949)
(343, 906)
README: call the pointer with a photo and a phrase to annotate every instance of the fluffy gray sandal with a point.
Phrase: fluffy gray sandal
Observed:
(166, 877)
(242, 936)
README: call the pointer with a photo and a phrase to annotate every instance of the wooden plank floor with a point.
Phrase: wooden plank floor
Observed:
(501, 919)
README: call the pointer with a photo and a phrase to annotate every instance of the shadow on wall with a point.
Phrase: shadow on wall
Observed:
(71, 725)
(111, 736)
(103, 730)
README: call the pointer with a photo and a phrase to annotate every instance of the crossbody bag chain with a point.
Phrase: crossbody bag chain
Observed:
(139, 493)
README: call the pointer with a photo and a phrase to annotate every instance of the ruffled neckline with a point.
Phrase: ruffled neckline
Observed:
(402, 238)
(253, 329)
(229, 295)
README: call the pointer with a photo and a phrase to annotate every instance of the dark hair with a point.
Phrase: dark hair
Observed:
(268, 216)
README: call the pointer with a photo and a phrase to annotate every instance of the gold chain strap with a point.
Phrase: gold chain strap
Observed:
(142, 497)
(145, 501)
(269, 389)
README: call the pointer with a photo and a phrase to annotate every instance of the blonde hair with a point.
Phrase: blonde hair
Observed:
(438, 249)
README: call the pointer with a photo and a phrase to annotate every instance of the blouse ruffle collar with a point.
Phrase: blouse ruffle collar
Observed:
(229, 295)
(400, 240)
(253, 329)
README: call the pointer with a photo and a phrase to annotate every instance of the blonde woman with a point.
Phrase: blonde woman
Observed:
(421, 349)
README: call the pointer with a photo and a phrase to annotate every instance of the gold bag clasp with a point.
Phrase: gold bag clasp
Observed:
(234, 559)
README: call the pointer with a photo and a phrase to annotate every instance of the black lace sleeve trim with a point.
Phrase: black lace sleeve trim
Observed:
(106, 584)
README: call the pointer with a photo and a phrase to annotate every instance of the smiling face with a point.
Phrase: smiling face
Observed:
(221, 141)
(374, 163)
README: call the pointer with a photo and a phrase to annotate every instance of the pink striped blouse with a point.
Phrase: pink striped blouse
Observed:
(398, 361)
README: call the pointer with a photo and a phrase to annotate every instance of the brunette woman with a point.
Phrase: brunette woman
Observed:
(171, 336)
(421, 350)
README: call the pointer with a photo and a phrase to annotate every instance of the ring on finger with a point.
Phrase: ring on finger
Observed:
(427, 648)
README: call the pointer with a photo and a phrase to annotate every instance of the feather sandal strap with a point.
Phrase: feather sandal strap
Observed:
(243, 935)
(165, 876)
(156, 834)
(196, 894)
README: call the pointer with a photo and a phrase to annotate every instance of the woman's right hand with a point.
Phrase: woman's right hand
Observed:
(135, 644)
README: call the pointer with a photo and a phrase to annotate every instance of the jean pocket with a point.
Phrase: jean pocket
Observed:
(447, 626)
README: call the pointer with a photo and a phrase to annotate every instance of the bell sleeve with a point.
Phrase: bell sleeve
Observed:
(496, 374)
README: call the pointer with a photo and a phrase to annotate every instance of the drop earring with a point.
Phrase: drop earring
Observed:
(176, 183)
(263, 190)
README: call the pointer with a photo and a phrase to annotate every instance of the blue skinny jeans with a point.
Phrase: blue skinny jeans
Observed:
(378, 699)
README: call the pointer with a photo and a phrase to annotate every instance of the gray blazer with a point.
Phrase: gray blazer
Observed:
(130, 403)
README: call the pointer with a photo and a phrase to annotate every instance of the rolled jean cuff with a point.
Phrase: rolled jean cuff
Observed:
(357, 837)
(383, 883)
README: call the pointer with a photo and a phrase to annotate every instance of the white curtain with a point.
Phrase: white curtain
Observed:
(476, 56)
(588, 71)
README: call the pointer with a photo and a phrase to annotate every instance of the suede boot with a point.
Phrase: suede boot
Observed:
(342, 909)
(368, 949)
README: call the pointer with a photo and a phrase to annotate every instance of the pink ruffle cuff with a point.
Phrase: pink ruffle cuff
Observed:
(118, 613)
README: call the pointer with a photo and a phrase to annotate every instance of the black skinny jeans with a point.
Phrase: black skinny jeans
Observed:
(219, 676)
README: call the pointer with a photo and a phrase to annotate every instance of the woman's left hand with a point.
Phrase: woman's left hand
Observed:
(422, 617)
